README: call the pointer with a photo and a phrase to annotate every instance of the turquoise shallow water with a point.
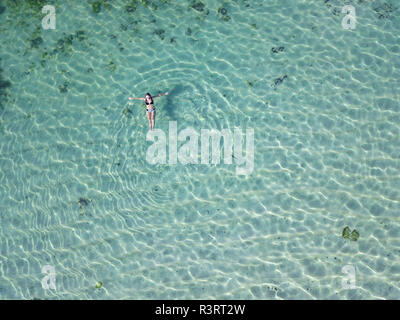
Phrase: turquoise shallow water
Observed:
(324, 106)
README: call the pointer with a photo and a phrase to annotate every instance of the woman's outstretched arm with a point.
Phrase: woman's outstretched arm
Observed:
(131, 98)
(161, 94)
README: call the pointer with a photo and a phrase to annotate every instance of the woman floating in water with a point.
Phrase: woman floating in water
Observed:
(150, 110)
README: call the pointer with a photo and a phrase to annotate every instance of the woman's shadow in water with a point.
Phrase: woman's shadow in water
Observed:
(171, 107)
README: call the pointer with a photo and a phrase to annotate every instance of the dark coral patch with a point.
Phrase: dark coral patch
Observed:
(83, 202)
(4, 84)
(278, 81)
(80, 35)
(277, 50)
(96, 6)
(160, 33)
(384, 11)
(35, 43)
(130, 8)
(37, 4)
(336, 12)
(223, 11)
(198, 6)
(64, 87)
(224, 14)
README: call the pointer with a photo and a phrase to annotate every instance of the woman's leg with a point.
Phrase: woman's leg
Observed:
(153, 115)
(149, 117)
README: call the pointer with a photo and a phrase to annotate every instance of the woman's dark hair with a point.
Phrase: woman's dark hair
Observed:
(148, 94)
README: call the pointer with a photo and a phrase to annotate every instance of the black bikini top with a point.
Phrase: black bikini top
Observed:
(148, 103)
